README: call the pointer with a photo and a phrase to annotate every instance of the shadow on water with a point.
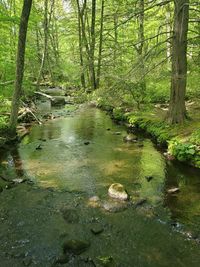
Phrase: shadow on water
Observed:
(80, 157)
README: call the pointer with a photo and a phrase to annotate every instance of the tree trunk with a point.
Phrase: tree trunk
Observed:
(140, 49)
(115, 38)
(168, 29)
(44, 56)
(100, 45)
(81, 51)
(92, 46)
(177, 109)
(89, 46)
(20, 64)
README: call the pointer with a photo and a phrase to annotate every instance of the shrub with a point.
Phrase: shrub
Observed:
(182, 151)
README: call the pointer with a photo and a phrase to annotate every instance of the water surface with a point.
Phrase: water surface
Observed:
(82, 154)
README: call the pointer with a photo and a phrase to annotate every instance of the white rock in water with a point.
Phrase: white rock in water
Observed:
(173, 190)
(117, 191)
(130, 138)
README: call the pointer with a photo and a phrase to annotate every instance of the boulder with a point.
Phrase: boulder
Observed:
(54, 92)
(58, 101)
(117, 191)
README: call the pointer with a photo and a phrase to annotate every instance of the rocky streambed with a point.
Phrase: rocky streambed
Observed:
(64, 211)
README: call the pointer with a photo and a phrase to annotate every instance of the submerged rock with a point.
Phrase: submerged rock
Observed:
(58, 101)
(27, 261)
(97, 229)
(39, 147)
(140, 202)
(114, 206)
(117, 191)
(86, 143)
(75, 247)
(63, 259)
(106, 261)
(70, 215)
(130, 138)
(94, 202)
(117, 133)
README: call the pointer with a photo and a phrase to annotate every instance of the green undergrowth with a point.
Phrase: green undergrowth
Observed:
(5, 105)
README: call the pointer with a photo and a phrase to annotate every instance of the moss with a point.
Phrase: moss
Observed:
(119, 114)
(183, 142)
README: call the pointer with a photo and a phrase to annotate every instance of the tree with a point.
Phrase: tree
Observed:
(177, 109)
(100, 45)
(26, 9)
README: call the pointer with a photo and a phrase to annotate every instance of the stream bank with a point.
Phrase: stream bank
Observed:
(182, 142)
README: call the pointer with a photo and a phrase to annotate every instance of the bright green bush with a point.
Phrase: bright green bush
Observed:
(182, 151)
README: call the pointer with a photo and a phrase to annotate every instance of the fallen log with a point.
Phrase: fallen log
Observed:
(45, 95)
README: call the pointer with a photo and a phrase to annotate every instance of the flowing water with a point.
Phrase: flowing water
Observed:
(80, 155)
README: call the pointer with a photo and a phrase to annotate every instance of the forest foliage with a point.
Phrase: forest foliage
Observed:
(122, 70)
(121, 52)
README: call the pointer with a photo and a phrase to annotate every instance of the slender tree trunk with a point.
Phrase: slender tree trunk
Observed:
(177, 109)
(100, 45)
(168, 29)
(27, 4)
(92, 45)
(140, 49)
(116, 38)
(81, 51)
(44, 56)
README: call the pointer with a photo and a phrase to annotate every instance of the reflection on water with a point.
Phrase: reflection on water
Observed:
(65, 162)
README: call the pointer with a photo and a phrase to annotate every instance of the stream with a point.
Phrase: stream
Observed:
(70, 162)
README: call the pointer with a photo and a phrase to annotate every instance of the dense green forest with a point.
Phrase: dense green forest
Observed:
(100, 133)
(136, 58)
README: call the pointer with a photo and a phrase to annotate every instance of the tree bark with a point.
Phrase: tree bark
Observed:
(140, 49)
(27, 4)
(100, 45)
(92, 45)
(44, 55)
(81, 49)
(177, 109)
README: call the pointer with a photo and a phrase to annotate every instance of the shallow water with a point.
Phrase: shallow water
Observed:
(66, 173)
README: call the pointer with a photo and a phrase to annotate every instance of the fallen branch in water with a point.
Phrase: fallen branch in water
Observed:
(45, 95)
